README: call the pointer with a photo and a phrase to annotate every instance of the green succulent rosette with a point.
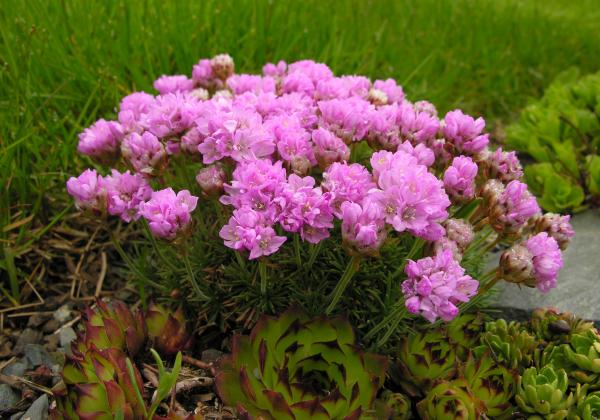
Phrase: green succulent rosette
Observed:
(510, 344)
(450, 400)
(583, 351)
(544, 394)
(294, 367)
(168, 330)
(112, 325)
(424, 357)
(464, 332)
(393, 406)
(99, 385)
(552, 326)
(588, 407)
(492, 383)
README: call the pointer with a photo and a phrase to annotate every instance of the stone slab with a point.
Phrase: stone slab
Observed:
(578, 288)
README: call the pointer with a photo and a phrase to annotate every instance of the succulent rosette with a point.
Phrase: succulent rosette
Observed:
(112, 325)
(99, 385)
(544, 393)
(296, 367)
(168, 331)
(423, 358)
(450, 399)
(558, 327)
(584, 352)
(510, 343)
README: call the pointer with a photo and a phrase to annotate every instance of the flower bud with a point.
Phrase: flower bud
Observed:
(300, 165)
(516, 265)
(459, 231)
(377, 97)
(222, 66)
(211, 179)
(556, 226)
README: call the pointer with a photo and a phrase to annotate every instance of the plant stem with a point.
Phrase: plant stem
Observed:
(495, 276)
(351, 269)
(132, 266)
(192, 278)
(416, 247)
(393, 326)
(314, 251)
(297, 251)
(157, 248)
(399, 309)
(262, 269)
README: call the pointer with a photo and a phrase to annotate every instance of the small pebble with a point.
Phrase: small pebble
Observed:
(8, 397)
(38, 410)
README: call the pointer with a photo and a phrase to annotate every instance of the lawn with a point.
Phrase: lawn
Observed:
(66, 63)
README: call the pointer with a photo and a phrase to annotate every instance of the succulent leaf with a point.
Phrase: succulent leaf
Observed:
(450, 399)
(544, 392)
(168, 331)
(294, 367)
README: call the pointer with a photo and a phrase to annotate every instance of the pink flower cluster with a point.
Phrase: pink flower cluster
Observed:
(436, 285)
(297, 150)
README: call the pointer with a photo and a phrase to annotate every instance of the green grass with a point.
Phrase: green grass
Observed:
(66, 63)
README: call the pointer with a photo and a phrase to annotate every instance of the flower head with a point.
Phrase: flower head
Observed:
(133, 110)
(363, 226)
(88, 190)
(169, 213)
(465, 132)
(393, 91)
(557, 226)
(145, 152)
(459, 178)
(101, 141)
(328, 148)
(125, 192)
(547, 260)
(171, 84)
(346, 183)
(436, 285)
(502, 165)
(211, 179)
(514, 206)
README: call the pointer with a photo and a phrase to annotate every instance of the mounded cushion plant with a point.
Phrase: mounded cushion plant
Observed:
(295, 367)
(561, 132)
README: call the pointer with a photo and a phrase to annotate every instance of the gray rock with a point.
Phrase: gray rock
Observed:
(578, 288)
(38, 410)
(8, 397)
(17, 416)
(67, 335)
(28, 336)
(63, 314)
(36, 355)
(17, 368)
(211, 355)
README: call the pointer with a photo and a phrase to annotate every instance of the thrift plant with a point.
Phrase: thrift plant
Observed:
(336, 193)
(561, 132)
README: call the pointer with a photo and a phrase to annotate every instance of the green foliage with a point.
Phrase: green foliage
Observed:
(562, 132)
(113, 48)
(544, 393)
(583, 351)
(509, 343)
(294, 367)
(551, 326)
(450, 400)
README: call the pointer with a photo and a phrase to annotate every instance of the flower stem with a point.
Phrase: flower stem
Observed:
(297, 251)
(192, 278)
(416, 247)
(398, 309)
(262, 269)
(494, 276)
(337, 293)
(314, 251)
(393, 326)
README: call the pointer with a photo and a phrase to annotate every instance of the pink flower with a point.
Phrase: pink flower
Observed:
(171, 84)
(459, 178)
(211, 179)
(306, 209)
(328, 148)
(247, 230)
(436, 285)
(88, 190)
(169, 214)
(240, 83)
(291, 138)
(342, 87)
(275, 70)
(392, 90)
(464, 132)
(547, 260)
(514, 207)
(222, 66)
(384, 132)
(412, 198)
(416, 126)
(556, 226)
(202, 73)
(133, 110)
(314, 71)
(346, 183)
(459, 231)
(172, 114)
(363, 226)
(422, 153)
(125, 192)
(101, 141)
(145, 153)
(502, 165)
(298, 82)
(347, 118)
